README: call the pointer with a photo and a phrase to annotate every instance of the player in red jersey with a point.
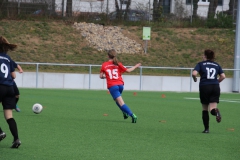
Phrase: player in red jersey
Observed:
(112, 70)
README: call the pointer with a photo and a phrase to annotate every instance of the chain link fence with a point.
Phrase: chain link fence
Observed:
(216, 12)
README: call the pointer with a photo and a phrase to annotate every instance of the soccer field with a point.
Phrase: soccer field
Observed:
(87, 125)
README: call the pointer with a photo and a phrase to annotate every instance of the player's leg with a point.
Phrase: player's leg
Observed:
(214, 100)
(13, 127)
(205, 118)
(2, 94)
(115, 92)
(125, 115)
(204, 92)
(126, 109)
(8, 105)
(16, 91)
(2, 134)
(120, 89)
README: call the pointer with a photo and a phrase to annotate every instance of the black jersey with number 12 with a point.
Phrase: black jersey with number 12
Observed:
(209, 72)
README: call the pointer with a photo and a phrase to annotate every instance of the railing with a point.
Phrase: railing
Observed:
(141, 68)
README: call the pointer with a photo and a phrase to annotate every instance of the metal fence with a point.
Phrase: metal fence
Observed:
(167, 10)
(141, 70)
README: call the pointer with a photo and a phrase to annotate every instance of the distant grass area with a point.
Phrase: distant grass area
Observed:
(87, 124)
(58, 42)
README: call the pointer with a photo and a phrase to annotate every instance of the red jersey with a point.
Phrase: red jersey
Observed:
(113, 73)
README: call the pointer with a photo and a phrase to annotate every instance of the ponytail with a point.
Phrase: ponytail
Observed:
(5, 46)
(112, 54)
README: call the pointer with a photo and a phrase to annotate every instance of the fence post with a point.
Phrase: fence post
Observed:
(191, 12)
(62, 8)
(37, 75)
(236, 74)
(140, 87)
(18, 7)
(90, 72)
(191, 80)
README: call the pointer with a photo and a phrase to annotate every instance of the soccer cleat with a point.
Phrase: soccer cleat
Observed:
(218, 115)
(2, 136)
(17, 109)
(16, 144)
(205, 131)
(125, 115)
(134, 118)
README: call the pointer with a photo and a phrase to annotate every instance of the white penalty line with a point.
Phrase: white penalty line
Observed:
(223, 100)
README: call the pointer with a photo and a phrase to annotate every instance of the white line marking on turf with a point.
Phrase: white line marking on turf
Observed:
(191, 98)
(229, 101)
(224, 100)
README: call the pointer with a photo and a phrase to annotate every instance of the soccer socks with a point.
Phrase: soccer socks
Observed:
(17, 100)
(213, 112)
(118, 105)
(121, 109)
(126, 109)
(13, 128)
(205, 118)
(1, 130)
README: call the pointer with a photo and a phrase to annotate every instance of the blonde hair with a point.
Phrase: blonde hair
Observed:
(5, 46)
(113, 55)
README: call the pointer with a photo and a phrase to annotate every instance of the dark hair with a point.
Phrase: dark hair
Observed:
(112, 54)
(5, 46)
(210, 55)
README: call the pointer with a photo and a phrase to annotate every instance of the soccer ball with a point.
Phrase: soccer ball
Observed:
(37, 108)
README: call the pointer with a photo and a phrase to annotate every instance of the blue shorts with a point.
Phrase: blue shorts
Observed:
(116, 91)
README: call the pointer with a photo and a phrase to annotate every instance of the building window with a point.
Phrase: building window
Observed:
(220, 2)
(124, 1)
(188, 1)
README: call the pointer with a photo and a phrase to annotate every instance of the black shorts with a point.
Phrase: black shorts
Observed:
(7, 97)
(16, 91)
(209, 93)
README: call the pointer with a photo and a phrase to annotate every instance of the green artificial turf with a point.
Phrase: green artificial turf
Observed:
(87, 125)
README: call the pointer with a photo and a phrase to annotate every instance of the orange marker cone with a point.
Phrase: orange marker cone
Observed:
(230, 129)
(162, 121)
(163, 96)
(134, 93)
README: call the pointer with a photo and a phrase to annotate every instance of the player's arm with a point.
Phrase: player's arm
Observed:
(221, 77)
(102, 75)
(194, 75)
(20, 70)
(133, 68)
(13, 74)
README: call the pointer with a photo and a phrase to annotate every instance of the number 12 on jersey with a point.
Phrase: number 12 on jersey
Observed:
(211, 73)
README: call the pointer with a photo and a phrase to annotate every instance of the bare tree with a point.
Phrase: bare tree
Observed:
(232, 5)
(127, 8)
(179, 10)
(118, 16)
(195, 8)
(69, 8)
(212, 7)
(157, 9)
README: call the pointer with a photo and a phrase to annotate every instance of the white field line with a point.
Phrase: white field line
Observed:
(223, 100)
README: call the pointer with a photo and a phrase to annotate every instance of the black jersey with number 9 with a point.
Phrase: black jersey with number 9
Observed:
(6, 67)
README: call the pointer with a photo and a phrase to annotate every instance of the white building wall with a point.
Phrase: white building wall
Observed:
(101, 6)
